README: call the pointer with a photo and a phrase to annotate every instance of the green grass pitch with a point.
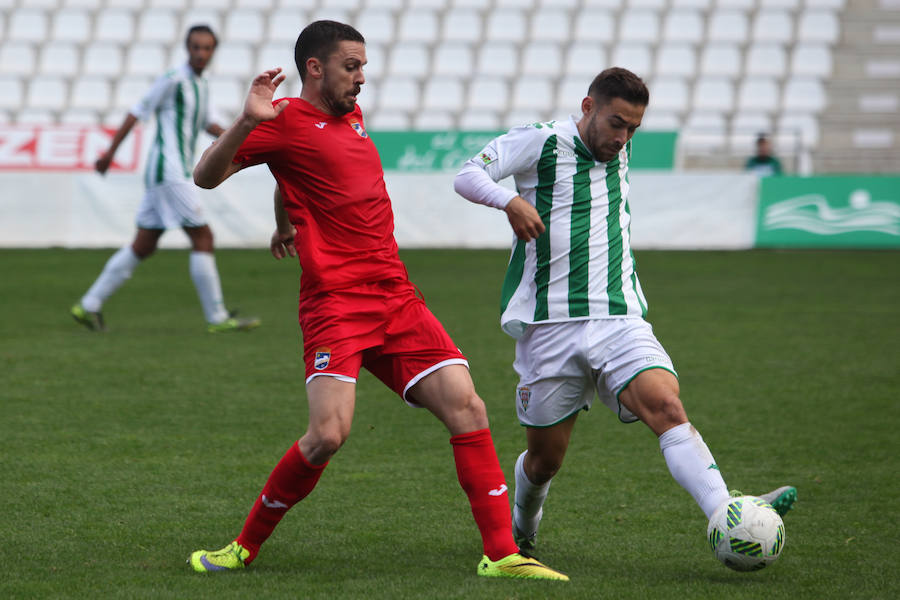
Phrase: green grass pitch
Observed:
(123, 452)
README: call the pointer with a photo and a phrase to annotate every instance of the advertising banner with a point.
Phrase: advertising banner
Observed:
(423, 151)
(63, 148)
(829, 212)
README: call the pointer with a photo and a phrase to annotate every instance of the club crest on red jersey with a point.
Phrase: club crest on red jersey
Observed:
(358, 128)
(322, 358)
(524, 394)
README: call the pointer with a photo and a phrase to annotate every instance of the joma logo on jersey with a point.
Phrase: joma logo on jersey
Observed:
(322, 358)
(524, 393)
(358, 128)
(566, 153)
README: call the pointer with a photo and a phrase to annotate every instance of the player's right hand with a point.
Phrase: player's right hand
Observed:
(258, 105)
(524, 218)
(102, 164)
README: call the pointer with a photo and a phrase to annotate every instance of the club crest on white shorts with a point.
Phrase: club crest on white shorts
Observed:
(524, 394)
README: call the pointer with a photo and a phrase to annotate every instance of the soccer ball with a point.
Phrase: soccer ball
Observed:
(746, 534)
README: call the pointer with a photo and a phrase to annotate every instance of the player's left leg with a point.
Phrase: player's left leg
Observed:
(653, 397)
(449, 394)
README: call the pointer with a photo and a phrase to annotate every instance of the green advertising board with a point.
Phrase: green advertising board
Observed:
(829, 212)
(423, 151)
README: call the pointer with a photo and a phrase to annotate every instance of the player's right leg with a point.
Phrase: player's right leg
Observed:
(331, 405)
(118, 270)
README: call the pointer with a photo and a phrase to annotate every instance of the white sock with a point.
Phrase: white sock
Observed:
(117, 270)
(209, 288)
(693, 466)
(529, 503)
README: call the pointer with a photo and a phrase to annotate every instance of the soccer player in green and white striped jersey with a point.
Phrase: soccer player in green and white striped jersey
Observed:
(180, 101)
(572, 299)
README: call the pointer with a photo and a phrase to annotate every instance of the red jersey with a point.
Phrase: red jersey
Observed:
(332, 183)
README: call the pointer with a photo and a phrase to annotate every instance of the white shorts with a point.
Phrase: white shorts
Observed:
(171, 205)
(560, 365)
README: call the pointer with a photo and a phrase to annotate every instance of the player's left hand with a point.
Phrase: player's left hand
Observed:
(282, 244)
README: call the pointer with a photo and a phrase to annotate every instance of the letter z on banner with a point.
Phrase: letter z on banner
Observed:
(63, 148)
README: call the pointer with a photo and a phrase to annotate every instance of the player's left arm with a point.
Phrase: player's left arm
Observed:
(214, 129)
(282, 243)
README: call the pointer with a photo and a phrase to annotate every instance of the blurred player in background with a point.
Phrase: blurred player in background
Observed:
(572, 299)
(357, 305)
(180, 101)
(763, 162)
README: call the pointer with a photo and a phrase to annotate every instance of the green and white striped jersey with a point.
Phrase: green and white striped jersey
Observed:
(582, 266)
(180, 101)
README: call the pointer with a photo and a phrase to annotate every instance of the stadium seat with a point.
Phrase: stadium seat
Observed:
(635, 57)
(59, 58)
(79, 116)
(348, 5)
(585, 58)
(392, 5)
(227, 95)
(71, 25)
(704, 131)
(47, 93)
(35, 116)
(520, 4)
(804, 95)
(702, 5)
(570, 92)
(803, 125)
(499, 59)
(720, 60)
(818, 26)
(751, 123)
(102, 58)
(285, 25)
(533, 94)
(462, 25)
(377, 26)
(114, 26)
(676, 59)
(368, 97)
(765, 59)
(376, 55)
(669, 94)
(740, 5)
(27, 25)
(244, 25)
(479, 120)
(442, 93)
(563, 4)
(656, 5)
(487, 93)
(12, 91)
(398, 93)
(549, 25)
(417, 25)
(523, 116)
(408, 59)
(437, 120)
(638, 26)
(129, 4)
(758, 94)
(506, 25)
(145, 58)
(129, 91)
(811, 60)
(683, 26)
(713, 94)
(277, 54)
(17, 58)
(594, 25)
(773, 26)
(660, 120)
(235, 59)
(388, 120)
(454, 59)
(727, 26)
(201, 16)
(158, 25)
(541, 58)
(91, 93)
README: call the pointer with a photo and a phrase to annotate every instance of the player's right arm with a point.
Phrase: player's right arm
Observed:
(105, 160)
(217, 163)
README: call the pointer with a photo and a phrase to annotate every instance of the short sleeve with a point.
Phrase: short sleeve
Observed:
(266, 143)
(513, 152)
(144, 109)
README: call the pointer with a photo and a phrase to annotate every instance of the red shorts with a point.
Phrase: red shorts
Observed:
(381, 326)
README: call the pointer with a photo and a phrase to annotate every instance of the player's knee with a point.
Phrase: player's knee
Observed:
(320, 446)
(543, 468)
(669, 410)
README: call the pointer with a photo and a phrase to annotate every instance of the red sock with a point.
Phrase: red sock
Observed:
(291, 480)
(482, 479)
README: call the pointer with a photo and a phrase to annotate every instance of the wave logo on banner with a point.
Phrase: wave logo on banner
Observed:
(812, 213)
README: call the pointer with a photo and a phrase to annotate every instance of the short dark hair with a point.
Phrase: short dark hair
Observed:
(617, 82)
(200, 29)
(319, 39)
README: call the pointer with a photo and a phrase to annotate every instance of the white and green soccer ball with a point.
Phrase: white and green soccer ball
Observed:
(746, 534)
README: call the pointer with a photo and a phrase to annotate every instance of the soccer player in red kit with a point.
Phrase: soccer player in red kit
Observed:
(357, 305)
